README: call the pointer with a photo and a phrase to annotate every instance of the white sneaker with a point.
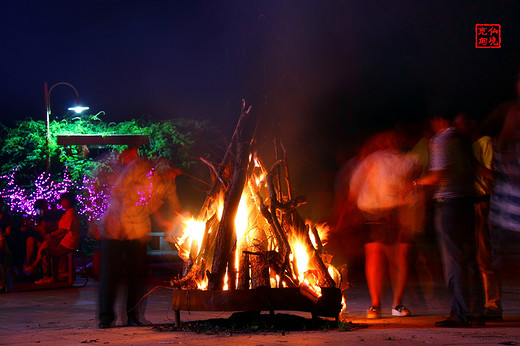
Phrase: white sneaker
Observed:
(401, 311)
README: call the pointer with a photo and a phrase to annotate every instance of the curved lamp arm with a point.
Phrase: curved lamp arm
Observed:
(47, 94)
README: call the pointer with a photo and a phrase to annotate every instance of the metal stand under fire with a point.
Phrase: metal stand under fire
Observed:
(260, 299)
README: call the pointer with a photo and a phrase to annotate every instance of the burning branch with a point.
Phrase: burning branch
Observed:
(234, 191)
(215, 172)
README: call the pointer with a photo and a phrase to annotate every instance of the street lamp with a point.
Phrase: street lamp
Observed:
(47, 94)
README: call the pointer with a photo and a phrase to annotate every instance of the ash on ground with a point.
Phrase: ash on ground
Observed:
(255, 322)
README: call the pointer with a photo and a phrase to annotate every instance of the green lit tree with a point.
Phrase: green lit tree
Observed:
(181, 141)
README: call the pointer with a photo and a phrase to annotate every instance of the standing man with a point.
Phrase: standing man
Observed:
(126, 230)
(483, 150)
(139, 192)
(452, 172)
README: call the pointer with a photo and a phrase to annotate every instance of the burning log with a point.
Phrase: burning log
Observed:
(259, 265)
(234, 191)
(243, 270)
(307, 291)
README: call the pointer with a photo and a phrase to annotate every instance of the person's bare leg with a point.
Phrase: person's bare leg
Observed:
(374, 271)
(399, 270)
(38, 257)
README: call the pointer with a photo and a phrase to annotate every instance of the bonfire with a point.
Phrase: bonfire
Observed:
(249, 242)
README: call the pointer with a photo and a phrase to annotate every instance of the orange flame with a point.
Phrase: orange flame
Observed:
(193, 233)
(323, 232)
(301, 257)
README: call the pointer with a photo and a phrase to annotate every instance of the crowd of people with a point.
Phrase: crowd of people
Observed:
(462, 178)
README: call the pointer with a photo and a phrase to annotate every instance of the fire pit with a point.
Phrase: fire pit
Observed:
(249, 249)
(259, 299)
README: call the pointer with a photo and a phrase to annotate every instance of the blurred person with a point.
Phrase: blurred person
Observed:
(139, 192)
(59, 242)
(381, 188)
(504, 215)
(503, 126)
(483, 150)
(452, 173)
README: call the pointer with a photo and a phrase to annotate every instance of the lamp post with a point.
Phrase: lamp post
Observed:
(47, 94)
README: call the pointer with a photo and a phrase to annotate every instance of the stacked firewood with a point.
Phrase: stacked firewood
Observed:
(265, 250)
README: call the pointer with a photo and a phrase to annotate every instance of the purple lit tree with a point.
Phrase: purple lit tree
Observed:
(93, 198)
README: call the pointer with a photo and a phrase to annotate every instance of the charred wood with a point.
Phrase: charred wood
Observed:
(216, 186)
(226, 229)
(259, 264)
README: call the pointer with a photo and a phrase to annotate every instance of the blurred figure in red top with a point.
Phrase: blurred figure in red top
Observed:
(382, 189)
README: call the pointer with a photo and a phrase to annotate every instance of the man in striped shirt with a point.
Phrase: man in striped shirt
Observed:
(452, 172)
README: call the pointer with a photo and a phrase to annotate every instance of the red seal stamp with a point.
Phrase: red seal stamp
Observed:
(488, 36)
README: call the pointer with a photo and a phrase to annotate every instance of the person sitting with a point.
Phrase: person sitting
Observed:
(59, 242)
(34, 232)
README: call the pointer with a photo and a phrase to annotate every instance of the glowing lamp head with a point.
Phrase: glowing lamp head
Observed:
(78, 109)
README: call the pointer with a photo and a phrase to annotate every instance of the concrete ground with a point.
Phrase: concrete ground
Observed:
(66, 316)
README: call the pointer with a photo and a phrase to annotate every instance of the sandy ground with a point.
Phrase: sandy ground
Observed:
(67, 316)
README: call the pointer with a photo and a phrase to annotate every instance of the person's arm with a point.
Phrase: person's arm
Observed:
(57, 233)
(485, 172)
(432, 178)
(64, 225)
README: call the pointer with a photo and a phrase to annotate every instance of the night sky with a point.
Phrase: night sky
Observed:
(317, 72)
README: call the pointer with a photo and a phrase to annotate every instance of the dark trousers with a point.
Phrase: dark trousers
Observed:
(455, 228)
(118, 256)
